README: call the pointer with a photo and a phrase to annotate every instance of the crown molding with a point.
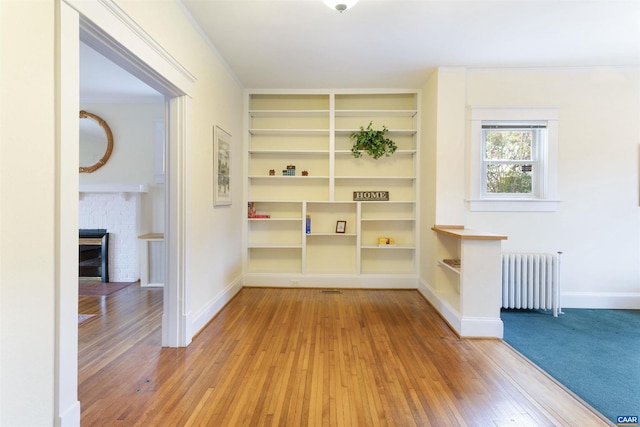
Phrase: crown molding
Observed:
(106, 28)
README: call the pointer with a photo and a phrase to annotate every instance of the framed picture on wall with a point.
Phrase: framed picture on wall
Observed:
(221, 167)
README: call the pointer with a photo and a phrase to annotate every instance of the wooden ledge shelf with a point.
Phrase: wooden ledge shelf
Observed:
(152, 236)
(460, 232)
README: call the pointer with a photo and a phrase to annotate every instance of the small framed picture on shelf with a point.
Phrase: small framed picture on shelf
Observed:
(341, 226)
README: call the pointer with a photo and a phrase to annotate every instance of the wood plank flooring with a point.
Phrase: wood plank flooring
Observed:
(298, 357)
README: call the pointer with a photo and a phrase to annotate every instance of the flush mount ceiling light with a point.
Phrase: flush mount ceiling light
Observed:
(340, 5)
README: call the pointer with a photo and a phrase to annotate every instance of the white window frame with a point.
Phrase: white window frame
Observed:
(538, 147)
(545, 195)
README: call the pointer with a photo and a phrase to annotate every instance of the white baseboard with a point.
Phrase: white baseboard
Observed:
(346, 281)
(70, 417)
(199, 320)
(446, 310)
(482, 327)
(477, 327)
(605, 300)
(153, 285)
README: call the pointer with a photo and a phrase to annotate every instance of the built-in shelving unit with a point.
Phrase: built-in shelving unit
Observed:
(467, 287)
(311, 131)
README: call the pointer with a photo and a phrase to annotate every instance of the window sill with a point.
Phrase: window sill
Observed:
(513, 205)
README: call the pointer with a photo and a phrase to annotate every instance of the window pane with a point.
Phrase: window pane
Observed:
(515, 179)
(507, 144)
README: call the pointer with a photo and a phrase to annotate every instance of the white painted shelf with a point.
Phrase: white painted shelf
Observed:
(288, 113)
(289, 131)
(375, 113)
(445, 265)
(331, 234)
(311, 131)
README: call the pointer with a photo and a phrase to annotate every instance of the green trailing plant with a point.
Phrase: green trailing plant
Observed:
(373, 142)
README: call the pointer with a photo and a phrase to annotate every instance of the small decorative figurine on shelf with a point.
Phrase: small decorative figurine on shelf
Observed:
(272, 172)
(290, 171)
(386, 241)
(305, 173)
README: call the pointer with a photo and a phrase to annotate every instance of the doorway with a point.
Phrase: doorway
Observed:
(113, 34)
(174, 323)
(102, 44)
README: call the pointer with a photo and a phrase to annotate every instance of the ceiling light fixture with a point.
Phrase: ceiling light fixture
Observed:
(340, 5)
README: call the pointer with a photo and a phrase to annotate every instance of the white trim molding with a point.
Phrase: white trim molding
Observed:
(114, 188)
(464, 326)
(481, 327)
(200, 319)
(343, 281)
(108, 29)
(65, 393)
(513, 205)
(131, 47)
(603, 300)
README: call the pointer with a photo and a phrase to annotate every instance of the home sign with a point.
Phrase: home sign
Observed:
(371, 196)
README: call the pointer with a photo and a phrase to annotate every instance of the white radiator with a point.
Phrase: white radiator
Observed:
(531, 280)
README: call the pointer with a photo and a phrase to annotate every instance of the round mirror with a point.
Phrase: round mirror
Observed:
(96, 142)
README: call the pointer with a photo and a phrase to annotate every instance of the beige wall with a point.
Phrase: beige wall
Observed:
(214, 259)
(450, 160)
(31, 193)
(597, 225)
(133, 160)
(427, 196)
(28, 212)
(213, 253)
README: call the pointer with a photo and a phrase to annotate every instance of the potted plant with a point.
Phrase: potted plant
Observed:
(373, 142)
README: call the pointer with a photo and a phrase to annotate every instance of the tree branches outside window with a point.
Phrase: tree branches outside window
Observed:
(509, 160)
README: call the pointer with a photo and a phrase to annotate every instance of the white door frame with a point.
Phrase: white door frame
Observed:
(104, 26)
(109, 30)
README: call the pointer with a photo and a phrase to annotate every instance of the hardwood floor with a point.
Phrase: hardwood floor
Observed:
(294, 357)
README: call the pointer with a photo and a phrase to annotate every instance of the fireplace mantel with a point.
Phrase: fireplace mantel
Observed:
(123, 189)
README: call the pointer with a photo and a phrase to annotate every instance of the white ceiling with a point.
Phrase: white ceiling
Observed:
(102, 81)
(390, 43)
(396, 43)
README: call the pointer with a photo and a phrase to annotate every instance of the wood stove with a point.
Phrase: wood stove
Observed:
(93, 247)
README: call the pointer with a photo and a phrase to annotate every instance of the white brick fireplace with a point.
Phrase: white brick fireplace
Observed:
(115, 208)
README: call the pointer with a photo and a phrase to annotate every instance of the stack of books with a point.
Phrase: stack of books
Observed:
(455, 263)
(252, 212)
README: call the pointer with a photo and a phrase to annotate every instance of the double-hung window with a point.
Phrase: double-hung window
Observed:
(511, 161)
(513, 164)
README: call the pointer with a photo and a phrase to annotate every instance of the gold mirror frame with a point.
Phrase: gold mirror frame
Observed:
(107, 153)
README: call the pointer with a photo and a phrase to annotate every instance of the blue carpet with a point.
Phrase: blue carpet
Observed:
(594, 353)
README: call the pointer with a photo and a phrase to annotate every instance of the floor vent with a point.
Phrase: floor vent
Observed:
(330, 291)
